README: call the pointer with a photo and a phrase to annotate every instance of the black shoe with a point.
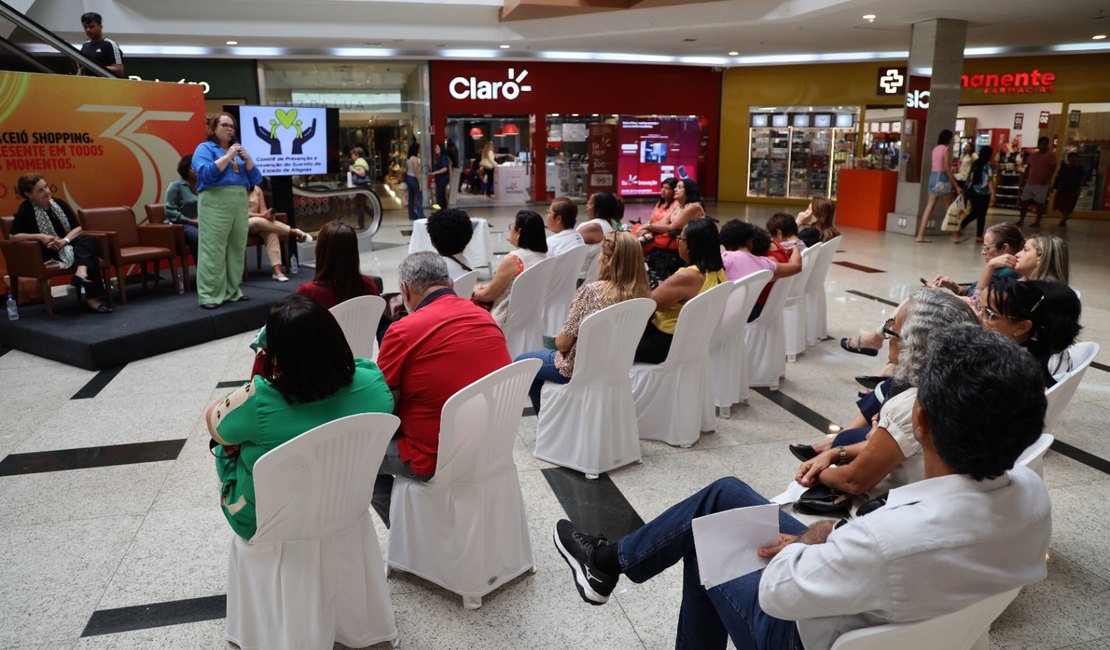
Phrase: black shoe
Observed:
(870, 381)
(577, 549)
(99, 309)
(803, 452)
(78, 282)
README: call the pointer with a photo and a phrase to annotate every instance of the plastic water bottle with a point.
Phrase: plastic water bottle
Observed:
(180, 282)
(293, 266)
(13, 309)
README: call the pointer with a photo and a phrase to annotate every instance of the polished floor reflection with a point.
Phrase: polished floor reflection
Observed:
(114, 539)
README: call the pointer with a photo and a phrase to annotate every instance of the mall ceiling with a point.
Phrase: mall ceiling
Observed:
(680, 31)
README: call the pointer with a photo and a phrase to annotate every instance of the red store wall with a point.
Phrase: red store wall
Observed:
(624, 89)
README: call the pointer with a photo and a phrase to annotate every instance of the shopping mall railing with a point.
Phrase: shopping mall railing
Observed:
(358, 207)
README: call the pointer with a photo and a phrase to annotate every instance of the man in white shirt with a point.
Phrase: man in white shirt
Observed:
(559, 219)
(969, 530)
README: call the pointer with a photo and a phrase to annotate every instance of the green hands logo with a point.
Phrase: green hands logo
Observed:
(285, 119)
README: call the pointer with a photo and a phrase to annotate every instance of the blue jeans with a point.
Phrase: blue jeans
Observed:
(548, 372)
(708, 615)
(191, 238)
(416, 198)
(851, 436)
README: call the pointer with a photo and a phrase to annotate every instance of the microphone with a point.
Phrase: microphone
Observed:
(235, 161)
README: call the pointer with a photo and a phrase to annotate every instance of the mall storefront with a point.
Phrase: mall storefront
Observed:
(787, 131)
(575, 128)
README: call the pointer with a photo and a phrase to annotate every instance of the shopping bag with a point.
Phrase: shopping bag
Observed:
(956, 213)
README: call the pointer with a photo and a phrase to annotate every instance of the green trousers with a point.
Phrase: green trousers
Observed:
(222, 213)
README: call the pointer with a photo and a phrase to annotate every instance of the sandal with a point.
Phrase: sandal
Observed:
(99, 309)
(848, 345)
(803, 452)
(870, 381)
(209, 305)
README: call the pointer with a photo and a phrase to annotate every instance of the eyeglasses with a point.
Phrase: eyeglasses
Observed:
(226, 125)
(888, 330)
(680, 238)
(987, 247)
(988, 313)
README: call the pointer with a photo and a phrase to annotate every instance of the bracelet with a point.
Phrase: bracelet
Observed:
(843, 455)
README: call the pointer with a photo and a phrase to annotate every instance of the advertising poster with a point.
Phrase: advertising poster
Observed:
(654, 149)
(98, 142)
(601, 169)
(285, 140)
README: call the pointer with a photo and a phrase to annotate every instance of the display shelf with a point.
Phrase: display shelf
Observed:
(1007, 191)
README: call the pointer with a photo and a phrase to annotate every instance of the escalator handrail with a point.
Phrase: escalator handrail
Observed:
(64, 47)
(344, 192)
(24, 56)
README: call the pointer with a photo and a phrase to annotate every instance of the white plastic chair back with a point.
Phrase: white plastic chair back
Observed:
(358, 318)
(524, 323)
(728, 353)
(817, 326)
(794, 311)
(593, 261)
(674, 399)
(313, 573)
(464, 284)
(965, 629)
(1081, 355)
(1033, 456)
(466, 529)
(766, 340)
(562, 287)
(589, 424)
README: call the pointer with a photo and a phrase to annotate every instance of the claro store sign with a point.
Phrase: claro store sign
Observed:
(1017, 83)
(475, 88)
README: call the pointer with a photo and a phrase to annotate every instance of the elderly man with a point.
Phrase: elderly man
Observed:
(559, 219)
(445, 344)
(974, 527)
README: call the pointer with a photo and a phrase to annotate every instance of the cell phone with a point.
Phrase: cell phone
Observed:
(924, 282)
(549, 342)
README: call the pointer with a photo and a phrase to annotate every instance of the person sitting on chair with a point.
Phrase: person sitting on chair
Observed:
(976, 526)
(451, 230)
(444, 344)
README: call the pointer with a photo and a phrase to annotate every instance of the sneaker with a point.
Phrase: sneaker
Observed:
(280, 277)
(577, 549)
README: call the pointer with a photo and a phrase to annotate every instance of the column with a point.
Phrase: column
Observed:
(932, 98)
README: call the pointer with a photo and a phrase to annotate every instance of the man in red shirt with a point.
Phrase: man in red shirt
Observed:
(445, 344)
(1036, 180)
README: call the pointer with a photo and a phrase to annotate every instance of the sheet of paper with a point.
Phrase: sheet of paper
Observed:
(793, 492)
(726, 542)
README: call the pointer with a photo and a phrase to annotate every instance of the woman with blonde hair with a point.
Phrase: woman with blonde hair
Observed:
(1042, 257)
(621, 277)
(815, 223)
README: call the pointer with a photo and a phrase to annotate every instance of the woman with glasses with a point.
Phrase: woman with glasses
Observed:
(526, 234)
(1040, 316)
(884, 453)
(1041, 257)
(1001, 242)
(621, 277)
(225, 176)
(699, 246)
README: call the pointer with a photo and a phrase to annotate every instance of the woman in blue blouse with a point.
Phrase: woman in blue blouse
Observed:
(225, 174)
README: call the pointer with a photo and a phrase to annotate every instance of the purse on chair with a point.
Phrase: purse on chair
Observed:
(824, 501)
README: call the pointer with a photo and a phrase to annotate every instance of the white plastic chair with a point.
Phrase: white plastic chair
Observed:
(794, 311)
(358, 318)
(1081, 354)
(464, 284)
(466, 529)
(817, 326)
(765, 339)
(589, 424)
(727, 351)
(593, 261)
(562, 287)
(1033, 456)
(524, 323)
(674, 399)
(313, 573)
(965, 629)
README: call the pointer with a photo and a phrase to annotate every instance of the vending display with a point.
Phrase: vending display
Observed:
(800, 160)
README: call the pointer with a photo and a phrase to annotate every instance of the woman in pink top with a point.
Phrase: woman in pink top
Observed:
(941, 181)
(737, 238)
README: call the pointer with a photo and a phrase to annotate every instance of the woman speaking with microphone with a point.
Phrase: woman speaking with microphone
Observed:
(225, 175)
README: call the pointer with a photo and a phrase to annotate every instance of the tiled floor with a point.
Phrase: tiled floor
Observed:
(89, 540)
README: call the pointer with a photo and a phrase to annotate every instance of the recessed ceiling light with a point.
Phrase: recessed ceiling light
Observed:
(233, 42)
(505, 46)
(870, 17)
(1098, 37)
(734, 53)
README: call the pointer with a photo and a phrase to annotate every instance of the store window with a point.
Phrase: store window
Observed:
(1088, 134)
(505, 138)
(568, 152)
(882, 138)
(797, 151)
(381, 109)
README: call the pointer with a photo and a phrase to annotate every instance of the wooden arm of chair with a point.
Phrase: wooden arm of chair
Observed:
(162, 235)
(282, 217)
(107, 245)
(24, 258)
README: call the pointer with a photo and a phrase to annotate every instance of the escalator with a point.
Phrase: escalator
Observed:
(26, 46)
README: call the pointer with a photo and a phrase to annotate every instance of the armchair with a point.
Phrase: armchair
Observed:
(131, 243)
(25, 260)
(156, 215)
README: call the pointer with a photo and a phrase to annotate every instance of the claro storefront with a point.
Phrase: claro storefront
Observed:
(786, 131)
(575, 128)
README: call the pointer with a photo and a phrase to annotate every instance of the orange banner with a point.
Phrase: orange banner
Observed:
(98, 142)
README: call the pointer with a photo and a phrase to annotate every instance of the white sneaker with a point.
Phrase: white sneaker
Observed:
(279, 277)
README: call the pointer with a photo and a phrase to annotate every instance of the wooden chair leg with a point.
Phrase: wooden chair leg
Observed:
(258, 257)
(142, 272)
(121, 281)
(47, 297)
(106, 279)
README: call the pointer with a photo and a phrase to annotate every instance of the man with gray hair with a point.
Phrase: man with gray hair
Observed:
(445, 344)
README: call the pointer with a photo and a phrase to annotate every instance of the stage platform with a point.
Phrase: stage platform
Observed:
(152, 322)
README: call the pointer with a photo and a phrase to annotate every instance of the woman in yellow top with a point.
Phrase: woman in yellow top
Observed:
(699, 246)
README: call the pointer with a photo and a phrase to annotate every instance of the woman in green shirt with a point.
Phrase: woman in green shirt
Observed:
(315, 380)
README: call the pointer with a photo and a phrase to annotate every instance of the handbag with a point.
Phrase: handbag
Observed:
(959, 209)
(824, 500)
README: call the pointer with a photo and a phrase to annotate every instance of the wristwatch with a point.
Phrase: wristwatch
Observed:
(843, 455)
